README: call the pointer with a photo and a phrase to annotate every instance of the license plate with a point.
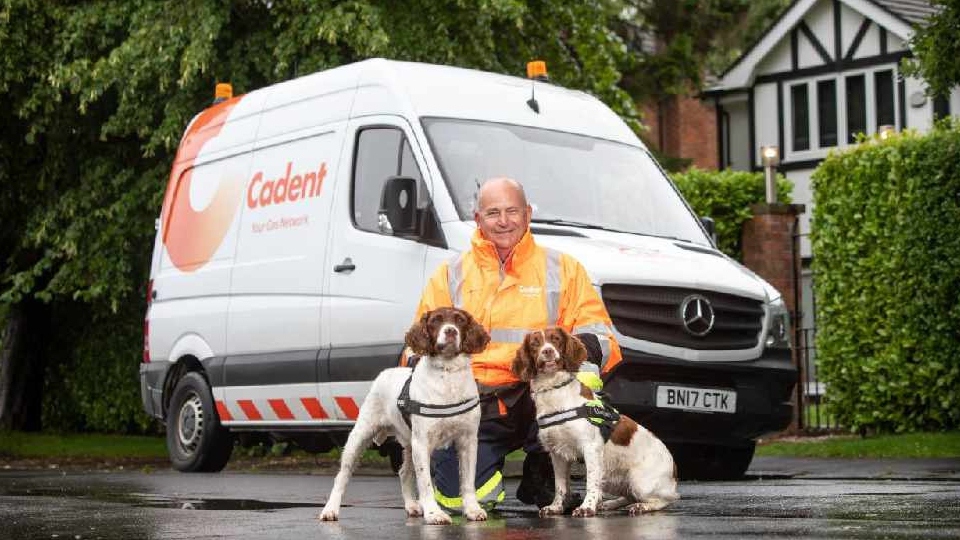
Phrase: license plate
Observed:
(696, 399)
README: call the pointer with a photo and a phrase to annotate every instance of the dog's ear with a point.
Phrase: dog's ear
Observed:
(475, 338)
(524, 366)
(418, 337)
(574, 353)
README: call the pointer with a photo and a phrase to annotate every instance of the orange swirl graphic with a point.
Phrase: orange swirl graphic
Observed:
(192, 237)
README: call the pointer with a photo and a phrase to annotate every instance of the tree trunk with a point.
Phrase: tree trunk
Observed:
(21, 366)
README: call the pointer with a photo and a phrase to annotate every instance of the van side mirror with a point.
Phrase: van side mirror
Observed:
(398, 206)
(710, 227)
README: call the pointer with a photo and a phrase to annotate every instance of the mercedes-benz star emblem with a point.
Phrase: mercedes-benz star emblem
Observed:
(697, 315)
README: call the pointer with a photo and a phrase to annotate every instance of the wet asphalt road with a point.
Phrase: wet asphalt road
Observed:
(780, 497)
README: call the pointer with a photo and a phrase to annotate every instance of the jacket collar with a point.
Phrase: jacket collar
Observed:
(487, 252)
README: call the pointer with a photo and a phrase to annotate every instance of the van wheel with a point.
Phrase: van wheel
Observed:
(709, 462)
(196, 441)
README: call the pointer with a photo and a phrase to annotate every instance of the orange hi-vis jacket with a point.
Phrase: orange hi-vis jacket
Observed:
(534, 288)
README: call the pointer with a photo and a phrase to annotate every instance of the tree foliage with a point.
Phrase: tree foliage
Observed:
(676, 44)
(96, 95)
(936, 49)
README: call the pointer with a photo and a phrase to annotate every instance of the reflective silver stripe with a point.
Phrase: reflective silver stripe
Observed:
(605, 349)
(553, 286)
(508, 335)
(597, 328)
(455, 280)
(556, 418)
(448, 410)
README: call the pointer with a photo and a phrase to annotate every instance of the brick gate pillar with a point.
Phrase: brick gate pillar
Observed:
(771, 249)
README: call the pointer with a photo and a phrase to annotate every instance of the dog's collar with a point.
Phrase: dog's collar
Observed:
(556, 386)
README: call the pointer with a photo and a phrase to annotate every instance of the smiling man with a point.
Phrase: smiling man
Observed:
(512, 286)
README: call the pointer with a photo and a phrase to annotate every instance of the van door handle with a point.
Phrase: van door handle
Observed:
(346, 266)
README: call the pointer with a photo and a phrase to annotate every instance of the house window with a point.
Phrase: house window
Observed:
(883, 91)
(941, 107)
(827, 112)
(800, 107)
(856, 107)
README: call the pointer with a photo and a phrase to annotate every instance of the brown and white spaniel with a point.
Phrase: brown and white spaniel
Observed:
(439, 397)
(632, 464)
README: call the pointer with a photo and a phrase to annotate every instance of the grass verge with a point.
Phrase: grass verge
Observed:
(907, 445)
(46, 446)
(14, 444)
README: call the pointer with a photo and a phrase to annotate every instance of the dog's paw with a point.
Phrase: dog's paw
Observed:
(636, 509)
(413, 509)
(476, 514)
(584, 511)
(437, 517)
(552, 510)
(329, 515)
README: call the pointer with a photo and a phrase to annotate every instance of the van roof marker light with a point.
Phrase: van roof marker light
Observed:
(222, 92)
(536, 71)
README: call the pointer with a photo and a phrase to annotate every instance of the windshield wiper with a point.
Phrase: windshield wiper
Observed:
(571, 223)
(585, 225)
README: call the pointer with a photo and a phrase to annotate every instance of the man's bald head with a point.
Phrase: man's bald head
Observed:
(502, 213)
(498, 185)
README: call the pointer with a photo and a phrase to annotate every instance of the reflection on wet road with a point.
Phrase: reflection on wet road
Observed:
(163, 505)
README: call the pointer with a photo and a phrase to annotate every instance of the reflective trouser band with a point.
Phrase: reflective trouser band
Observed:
(489, 493)
(455, 280)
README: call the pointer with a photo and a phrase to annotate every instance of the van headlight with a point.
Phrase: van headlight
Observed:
(778, 332)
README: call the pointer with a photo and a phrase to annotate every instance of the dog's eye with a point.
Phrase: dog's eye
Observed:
(459, 319)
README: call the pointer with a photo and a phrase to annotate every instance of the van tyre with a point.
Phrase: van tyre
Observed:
(196, 441)
(710, 462)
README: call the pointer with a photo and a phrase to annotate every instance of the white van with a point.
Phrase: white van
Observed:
(301, 221)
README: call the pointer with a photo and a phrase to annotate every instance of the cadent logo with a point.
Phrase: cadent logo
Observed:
(191, 237)
(262, 192)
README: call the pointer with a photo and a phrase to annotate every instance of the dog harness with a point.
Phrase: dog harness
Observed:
(599, 413)
(408, 406)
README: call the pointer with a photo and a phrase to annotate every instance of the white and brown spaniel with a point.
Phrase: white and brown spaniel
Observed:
(439, 401)
(632, 464)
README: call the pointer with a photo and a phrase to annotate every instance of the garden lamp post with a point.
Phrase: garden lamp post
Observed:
(770, 157)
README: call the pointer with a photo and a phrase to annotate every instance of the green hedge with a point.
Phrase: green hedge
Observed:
(726, 197)
(94, 386)
(886, 247)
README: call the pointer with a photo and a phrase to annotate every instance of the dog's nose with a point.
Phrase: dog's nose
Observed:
(548, 354)
(450, 333)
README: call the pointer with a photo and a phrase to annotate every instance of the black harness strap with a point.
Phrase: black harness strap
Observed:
(408, 406)
(603, 416)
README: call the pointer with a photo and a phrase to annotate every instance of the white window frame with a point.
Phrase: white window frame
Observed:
(816, 151)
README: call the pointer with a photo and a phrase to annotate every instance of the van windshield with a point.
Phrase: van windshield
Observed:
(570, 180)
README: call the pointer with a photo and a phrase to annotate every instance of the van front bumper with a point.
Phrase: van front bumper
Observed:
(764, 389)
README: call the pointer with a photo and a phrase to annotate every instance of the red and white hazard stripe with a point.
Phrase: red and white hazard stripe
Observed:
(291, 403)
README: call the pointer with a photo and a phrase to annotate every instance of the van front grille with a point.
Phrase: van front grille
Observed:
(653, 314)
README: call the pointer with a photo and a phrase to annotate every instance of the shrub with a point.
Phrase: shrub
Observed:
(726, 197)
(885, 244)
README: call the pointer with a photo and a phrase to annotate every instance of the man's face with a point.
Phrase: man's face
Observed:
(502, 216)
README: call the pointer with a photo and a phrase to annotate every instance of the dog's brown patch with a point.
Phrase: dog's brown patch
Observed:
(586, 392)
(623, 431)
